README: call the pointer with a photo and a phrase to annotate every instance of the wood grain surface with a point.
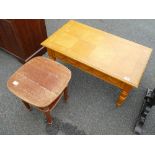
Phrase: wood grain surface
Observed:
(40, 81)
(116, 57)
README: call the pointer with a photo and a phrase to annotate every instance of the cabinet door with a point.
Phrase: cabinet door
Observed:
(31, 32)
(8, 40)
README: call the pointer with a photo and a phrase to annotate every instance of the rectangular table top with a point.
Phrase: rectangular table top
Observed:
(110, 54)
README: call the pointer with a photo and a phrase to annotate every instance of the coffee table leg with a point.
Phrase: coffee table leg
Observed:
(123, 95)
(51, 54)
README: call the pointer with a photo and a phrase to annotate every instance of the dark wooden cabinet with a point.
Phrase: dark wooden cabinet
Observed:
(22, 37)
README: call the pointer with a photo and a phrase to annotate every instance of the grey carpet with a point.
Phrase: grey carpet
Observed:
(91, 106)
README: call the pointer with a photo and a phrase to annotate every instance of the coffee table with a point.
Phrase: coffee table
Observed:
(113, 59)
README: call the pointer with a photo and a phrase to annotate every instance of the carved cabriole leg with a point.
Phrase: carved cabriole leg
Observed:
(123, 95)
(27, 105)
(51, 54)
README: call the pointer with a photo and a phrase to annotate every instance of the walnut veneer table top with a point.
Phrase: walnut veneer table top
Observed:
(112, 55)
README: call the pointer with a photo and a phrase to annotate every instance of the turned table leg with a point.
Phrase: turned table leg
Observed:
(123, 95)
(51, 54)
(27, 105)
(66, 94)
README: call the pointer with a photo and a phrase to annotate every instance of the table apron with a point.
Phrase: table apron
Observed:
(89, 70)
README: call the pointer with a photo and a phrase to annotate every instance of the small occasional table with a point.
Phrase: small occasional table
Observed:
(40, 82)
(113, 59)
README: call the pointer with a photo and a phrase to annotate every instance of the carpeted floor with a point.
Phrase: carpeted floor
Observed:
(91, 106)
